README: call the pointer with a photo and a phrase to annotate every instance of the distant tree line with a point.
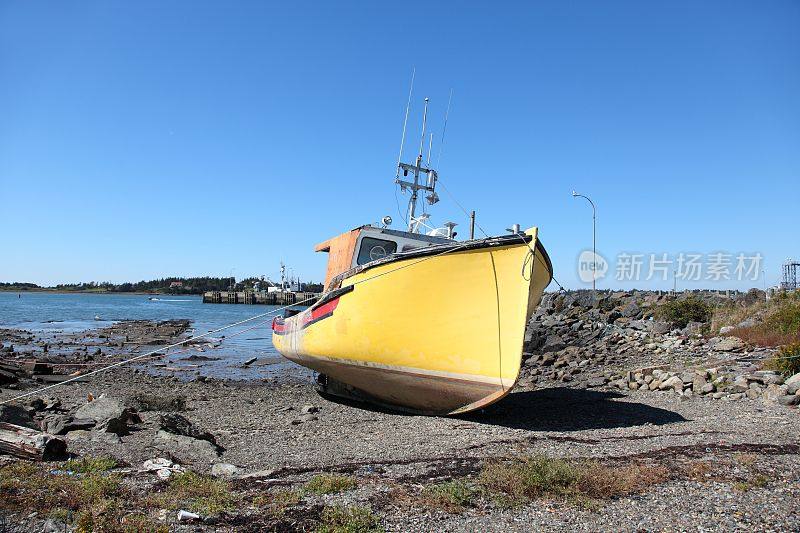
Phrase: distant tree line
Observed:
(17, 286)
(172, 285)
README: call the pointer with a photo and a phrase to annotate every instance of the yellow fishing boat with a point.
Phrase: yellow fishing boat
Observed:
(419, 321)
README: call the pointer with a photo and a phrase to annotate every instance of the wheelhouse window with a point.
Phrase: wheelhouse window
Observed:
(372, 249)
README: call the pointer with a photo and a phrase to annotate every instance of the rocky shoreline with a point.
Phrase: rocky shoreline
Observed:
(640, 416)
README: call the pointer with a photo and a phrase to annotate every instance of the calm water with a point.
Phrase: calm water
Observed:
(55, 313)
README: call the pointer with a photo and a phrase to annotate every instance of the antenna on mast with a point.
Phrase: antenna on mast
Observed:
(405, 121)
(424, 122)
(416, 169)
(444, 129)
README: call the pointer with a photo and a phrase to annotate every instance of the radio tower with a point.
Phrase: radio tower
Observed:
(789, 282)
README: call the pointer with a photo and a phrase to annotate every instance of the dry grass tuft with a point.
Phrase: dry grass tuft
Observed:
(786, 361)
(530, 478)
(106, 515)
(699, 470)
(543, 477)
(777, 321)
(450, 496)
(340, 519)
(680, 311)
(330, 484)
(80, 495)
(758, 481)
(205, 495)
(746, 459)
(760, 336)
(601, 482)
(91, 465)
(277, 503)
(33, 487)
(731, 315)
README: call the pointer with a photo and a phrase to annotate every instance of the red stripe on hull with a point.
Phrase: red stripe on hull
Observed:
(279, 324)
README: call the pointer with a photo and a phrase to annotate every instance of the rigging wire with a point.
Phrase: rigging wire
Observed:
(444, 129)
(397, 203)
(452, 197)
(403, 140)
(405, 121)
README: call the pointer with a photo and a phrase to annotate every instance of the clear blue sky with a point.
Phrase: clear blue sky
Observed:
(144, 139)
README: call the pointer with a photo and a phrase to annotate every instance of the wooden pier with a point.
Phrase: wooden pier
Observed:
(260, 297)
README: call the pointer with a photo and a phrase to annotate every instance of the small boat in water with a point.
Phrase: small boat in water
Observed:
(418, 321)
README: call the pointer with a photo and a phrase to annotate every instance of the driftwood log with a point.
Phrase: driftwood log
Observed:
(30, 444)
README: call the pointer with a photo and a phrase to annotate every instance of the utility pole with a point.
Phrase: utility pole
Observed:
(594, 238)
(472, 225)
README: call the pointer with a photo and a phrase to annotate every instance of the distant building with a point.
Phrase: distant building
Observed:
(176, 285)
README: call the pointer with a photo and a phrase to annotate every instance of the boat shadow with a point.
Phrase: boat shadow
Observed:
(566, 409)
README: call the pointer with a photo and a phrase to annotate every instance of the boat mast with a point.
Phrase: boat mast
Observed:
(416, 169)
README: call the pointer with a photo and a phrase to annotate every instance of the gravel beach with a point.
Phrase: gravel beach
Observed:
(702, 464)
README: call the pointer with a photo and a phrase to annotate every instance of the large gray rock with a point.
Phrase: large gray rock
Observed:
(547, 359)
(596, 382)
(111, 415)
(727, 344)
(224, 470)
(765, 377)
(196, 450)
(553, 343)
(693, 328)
(674, 382)
(17, 415)
(103, 409)
(773, 391)
(118, 426)
(699, 383)
(62, 424)
(179, 425)
(794, 380)
(789, 399)
(739, 386)
(632, 310)
(660, 328)
(688, 377)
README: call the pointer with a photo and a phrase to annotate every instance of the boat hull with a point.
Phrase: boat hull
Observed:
(438, 333)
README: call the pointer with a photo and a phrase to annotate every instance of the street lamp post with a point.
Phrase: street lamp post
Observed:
(594, 238)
